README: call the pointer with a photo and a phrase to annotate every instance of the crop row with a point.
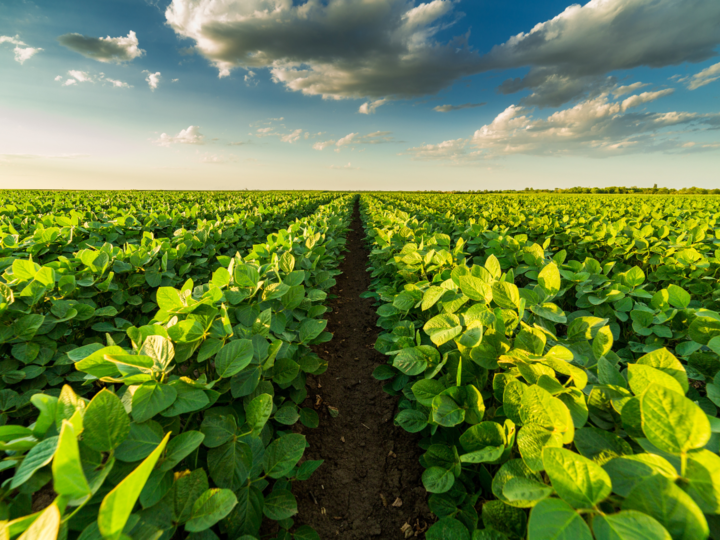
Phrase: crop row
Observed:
(186, 430)
(562, 388)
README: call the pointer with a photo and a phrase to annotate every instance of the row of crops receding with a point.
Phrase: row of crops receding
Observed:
(154, 353)
(558, 357)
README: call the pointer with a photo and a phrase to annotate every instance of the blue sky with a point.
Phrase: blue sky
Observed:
(359, 94)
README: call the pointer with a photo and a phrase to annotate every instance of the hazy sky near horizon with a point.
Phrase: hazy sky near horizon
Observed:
(358, 94)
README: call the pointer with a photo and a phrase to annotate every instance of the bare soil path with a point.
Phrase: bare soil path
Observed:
(369, 486)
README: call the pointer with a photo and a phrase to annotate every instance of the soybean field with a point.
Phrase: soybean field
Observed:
(331, 365)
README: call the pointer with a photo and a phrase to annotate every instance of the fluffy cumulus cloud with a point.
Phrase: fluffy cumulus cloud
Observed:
(706, 76)
(107, 49)
(153, 79)
(448, 108)
(598, 127)
(570, 55)
(333, 48)
(191, 135)
(75, 77)
(22, 50)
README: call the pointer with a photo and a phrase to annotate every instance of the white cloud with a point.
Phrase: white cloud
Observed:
(107, 49)
(76, 76)
(217, 159)
(570, 54)
(598, 127)
(335, 48)
(292, 137)
(22, 51)
(622, 90)
(153, 79)
(448, 108)
(645, 97)
(354, 139)
(371, 106)
(250, 79)
(323, 144)
(706, 76)
(347, 139)
(191, 135)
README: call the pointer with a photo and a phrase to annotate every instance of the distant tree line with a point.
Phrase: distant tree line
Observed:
(655, 190)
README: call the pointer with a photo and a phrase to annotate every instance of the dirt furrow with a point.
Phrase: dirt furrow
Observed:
(369, 485)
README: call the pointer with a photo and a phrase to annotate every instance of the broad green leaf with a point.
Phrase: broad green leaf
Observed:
(553, 519)
(672, 422)
(447, 529)
(68, 477)
(703, 475)
(498, 516)
(641, 377)
(506, 295)
(531, 439)
(282, 455)
(106, 422)
(218, 429)
(211, 507)
(443, 328)
(411, 420)
(186, 490)
(140, 442)
(515, 468)
(549, 279)
(662, 500)
(579, 481)
(438, 480)
(258, 412)
(39, 455)
(678, 297)
(525, 489)
(666, 362)
(180, 447)
(628, 525)
(117, 505)
(234, 357)
(600, 446)
(627, 472)
(229, 465)
(280, 504)
(46, 526)
(151, 398)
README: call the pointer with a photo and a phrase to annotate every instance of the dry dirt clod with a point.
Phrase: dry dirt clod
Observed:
(342, 439)
(392, 454)
(384, 500)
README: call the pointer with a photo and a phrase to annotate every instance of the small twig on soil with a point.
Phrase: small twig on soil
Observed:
(364, 425)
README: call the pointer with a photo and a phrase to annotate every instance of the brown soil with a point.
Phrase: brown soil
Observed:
(370, 484)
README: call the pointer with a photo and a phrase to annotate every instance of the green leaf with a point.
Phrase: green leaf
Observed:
(307, 468)
(189, 399)
(39, 455)
(438, 480)
(506, 295)
(68, 477)
(180, 447)
(117, 505)
(678, 297)
(549, 279)
(525, 489)
(603, 342)
(151, 398)
(672, 422)
(579, 481)
(628, 525)
(246, 517)
(304, 532)
(514, 468)
(531, 440)
(311, 328)
(628, 472)
(447, 529)
(187, 489)
(641, 377)
(553, 519)
(229, 465)
(703, 475)
(411, 361)
(45, 527)
(258, 412)
(425, 391)
(443, 328)
(280, 504)
(211, 507)
(446, 412)
(662, 500)
(599, 445)
(282, 455)
(106, 422)
(634, 277)
(411, 420)
(218, 429)
(666, 362)
(472, 287)
(140, 442)
(498, 516)
(234, 357)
